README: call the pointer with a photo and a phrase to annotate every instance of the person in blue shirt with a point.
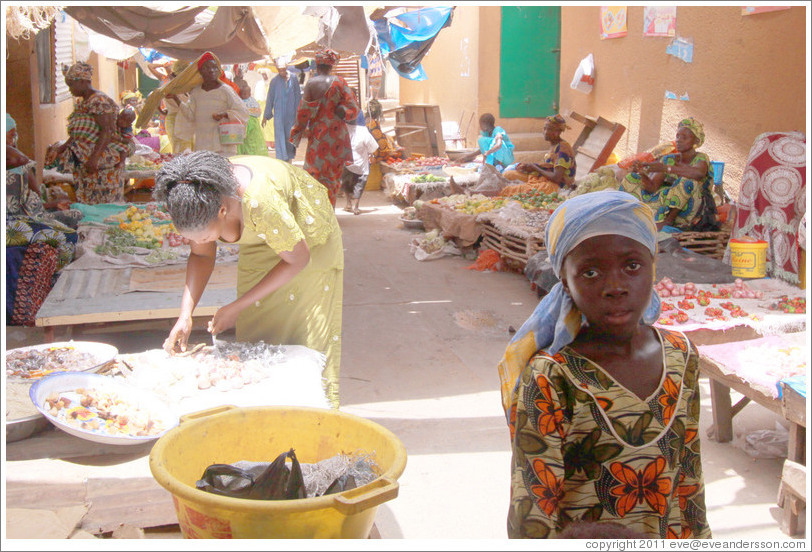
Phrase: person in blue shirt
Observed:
(494, 144)
(281, 105)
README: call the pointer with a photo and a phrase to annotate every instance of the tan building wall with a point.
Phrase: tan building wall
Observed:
(452, 66)
(18, 91)
(748, 76)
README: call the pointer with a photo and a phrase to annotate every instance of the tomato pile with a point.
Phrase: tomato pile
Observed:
(416, 161)
(536, 199)
(796, 305)
(739, 290)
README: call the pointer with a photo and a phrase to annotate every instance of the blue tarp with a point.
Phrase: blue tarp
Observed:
(406, 39)
(797, 383)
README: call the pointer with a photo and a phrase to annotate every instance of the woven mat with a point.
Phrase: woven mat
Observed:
(172, 278)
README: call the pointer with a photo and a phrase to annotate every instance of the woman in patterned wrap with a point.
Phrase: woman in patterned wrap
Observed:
(291, 258)
(327, 104)
(603, 409)
(88, 152)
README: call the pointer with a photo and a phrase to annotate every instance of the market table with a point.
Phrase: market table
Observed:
(727, 368)
(100, 296)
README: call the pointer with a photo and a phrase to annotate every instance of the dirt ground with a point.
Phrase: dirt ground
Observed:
(421, 343)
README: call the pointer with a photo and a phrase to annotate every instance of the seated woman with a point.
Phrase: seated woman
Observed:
(494, 144)
(38, 242)
(556, 171)
(685, 201)
(386, 147)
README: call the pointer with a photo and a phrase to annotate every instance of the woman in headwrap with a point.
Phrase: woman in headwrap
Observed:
(88, 153)
(687, 201)
(555, 172)
(603, 408)
(327, 104)
(214, 100)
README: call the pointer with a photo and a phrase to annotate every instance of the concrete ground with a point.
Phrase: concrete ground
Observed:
(421, 343)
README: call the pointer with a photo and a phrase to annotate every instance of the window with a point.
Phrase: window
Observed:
(54, 47)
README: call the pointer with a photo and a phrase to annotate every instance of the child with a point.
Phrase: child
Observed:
(123, 140)
(603, 409)
(354, 176)
(254, 143)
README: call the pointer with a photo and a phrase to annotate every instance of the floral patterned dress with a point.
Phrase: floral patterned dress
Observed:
(587, 449)
(562, 155)
(328, 146)
(105, 185)
(683, 193)
(282, 206)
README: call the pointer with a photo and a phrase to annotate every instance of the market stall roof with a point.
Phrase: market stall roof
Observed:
(231, 32)
(236, 34)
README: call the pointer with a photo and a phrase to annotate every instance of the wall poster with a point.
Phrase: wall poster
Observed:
(660, 21)
(613, 22)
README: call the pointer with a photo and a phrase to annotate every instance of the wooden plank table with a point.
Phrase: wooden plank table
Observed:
(92, 297)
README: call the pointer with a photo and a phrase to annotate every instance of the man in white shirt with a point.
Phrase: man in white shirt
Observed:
(354, 176)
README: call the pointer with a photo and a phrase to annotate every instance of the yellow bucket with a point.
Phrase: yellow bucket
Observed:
(748, 258)
(228, 434)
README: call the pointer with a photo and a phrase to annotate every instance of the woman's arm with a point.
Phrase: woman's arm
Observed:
(497, 143)
(291, 264)
(680, 170)
(106, 122)
(198, 271)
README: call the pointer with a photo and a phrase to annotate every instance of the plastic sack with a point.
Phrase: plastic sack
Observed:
(422, 255)
(767, 443)
(584, 77)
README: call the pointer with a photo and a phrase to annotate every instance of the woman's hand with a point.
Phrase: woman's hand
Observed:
(654, 166)
(179, 336)
(220, 116)
(224, 318)
(92, 164)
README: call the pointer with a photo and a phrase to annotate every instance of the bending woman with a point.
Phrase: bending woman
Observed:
(291, 258)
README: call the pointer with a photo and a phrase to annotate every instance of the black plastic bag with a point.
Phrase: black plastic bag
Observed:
(275, 482)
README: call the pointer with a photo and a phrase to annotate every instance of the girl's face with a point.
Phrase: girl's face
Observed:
(610, 279)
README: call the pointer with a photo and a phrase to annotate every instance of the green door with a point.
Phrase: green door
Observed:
(530, 62)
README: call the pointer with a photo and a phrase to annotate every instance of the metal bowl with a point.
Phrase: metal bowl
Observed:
(22, 428)
(414, 224)
(102, 354)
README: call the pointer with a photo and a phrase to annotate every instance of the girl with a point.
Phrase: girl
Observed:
(603, 409)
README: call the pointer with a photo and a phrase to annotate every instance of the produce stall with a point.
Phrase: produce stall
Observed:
(130, 266)
(416, 177)
(88, 461)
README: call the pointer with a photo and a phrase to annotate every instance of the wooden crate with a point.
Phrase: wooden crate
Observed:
(711, 244)
(514, 251)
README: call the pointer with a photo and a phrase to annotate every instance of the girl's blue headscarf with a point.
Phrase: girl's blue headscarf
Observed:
(11, 124)
(556, 320)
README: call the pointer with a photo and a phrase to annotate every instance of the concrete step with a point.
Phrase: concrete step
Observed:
(528, 141)
(529, 156)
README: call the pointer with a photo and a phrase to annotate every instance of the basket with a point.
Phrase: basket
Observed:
(514, 251)
(710, 244)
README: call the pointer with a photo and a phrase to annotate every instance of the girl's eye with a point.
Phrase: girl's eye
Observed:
(589, 274)
(634, 265)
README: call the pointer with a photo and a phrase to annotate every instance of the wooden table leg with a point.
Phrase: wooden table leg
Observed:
(722, 412)
(49, 334)
(797, 443)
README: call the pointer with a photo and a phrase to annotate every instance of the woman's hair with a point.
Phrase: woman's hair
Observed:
(488, 119)
(193, 187)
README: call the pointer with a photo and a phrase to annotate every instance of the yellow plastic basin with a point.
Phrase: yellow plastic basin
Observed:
(228, 434)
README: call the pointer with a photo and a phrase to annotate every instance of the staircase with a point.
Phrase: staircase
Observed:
(528, 146)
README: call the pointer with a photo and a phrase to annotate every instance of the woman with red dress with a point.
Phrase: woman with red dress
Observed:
(327, 103)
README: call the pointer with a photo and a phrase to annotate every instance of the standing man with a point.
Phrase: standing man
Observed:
(282, 101)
